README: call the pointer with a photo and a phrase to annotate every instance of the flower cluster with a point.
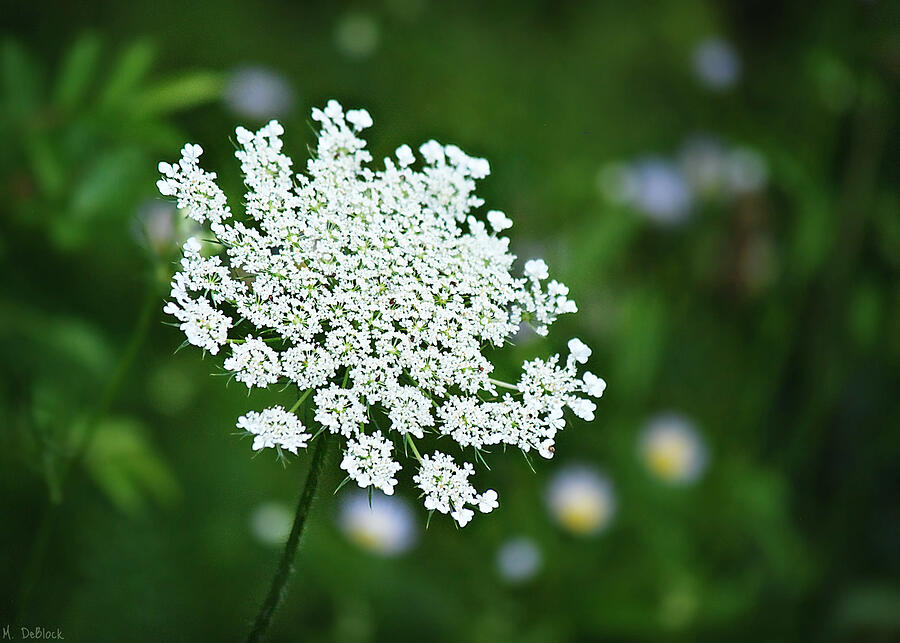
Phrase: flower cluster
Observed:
(376, 289)
(274, 428)
(447, 488)
(367, 460)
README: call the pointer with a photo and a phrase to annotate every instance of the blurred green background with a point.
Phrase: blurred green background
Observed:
(715, 181)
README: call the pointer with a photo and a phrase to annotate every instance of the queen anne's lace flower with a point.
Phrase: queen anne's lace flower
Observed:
(367, 460)
(274, 427)
(376, 289)
(254, 363)
(593, 385)
(447, 488)
(339, 410)
(579, 350)
(498, 220)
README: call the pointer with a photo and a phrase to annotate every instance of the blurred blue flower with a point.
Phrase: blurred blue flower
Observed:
(716, 64)
(703, 160)
(258, 93)
(746, 171)
(518, 560)
(661, 191)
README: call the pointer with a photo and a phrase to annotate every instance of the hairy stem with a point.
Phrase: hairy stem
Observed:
(285, 565)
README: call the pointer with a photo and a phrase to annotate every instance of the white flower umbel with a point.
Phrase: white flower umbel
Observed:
(367, 460)
(254, 363)
(375, 293)
(274, 427)
(447, 488)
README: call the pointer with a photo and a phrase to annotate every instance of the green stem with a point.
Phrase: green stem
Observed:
(503, 384)
(300, 401)
(409, 440)
(285, 565)
(115, 383)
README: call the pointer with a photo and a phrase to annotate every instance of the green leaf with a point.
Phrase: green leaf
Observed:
(127, 468)
(19, 80)
(812, 234)
(44, 162)
(341, 486)
(181, 92)
(131, 68)
(640, 335)
(54, 344)
(865, 314)
(77, 69)
(106, 181)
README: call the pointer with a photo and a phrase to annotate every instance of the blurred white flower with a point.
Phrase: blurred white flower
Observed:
(661, 192)
(386, 528)
(672, 449)
(356, 34)
(746, 171)
(702, 161)
(156, 226)
(581, 499)
(716, 64)
(713, 170)
(258, 93)
(270, 523)
(666, 191)
(518, 560)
